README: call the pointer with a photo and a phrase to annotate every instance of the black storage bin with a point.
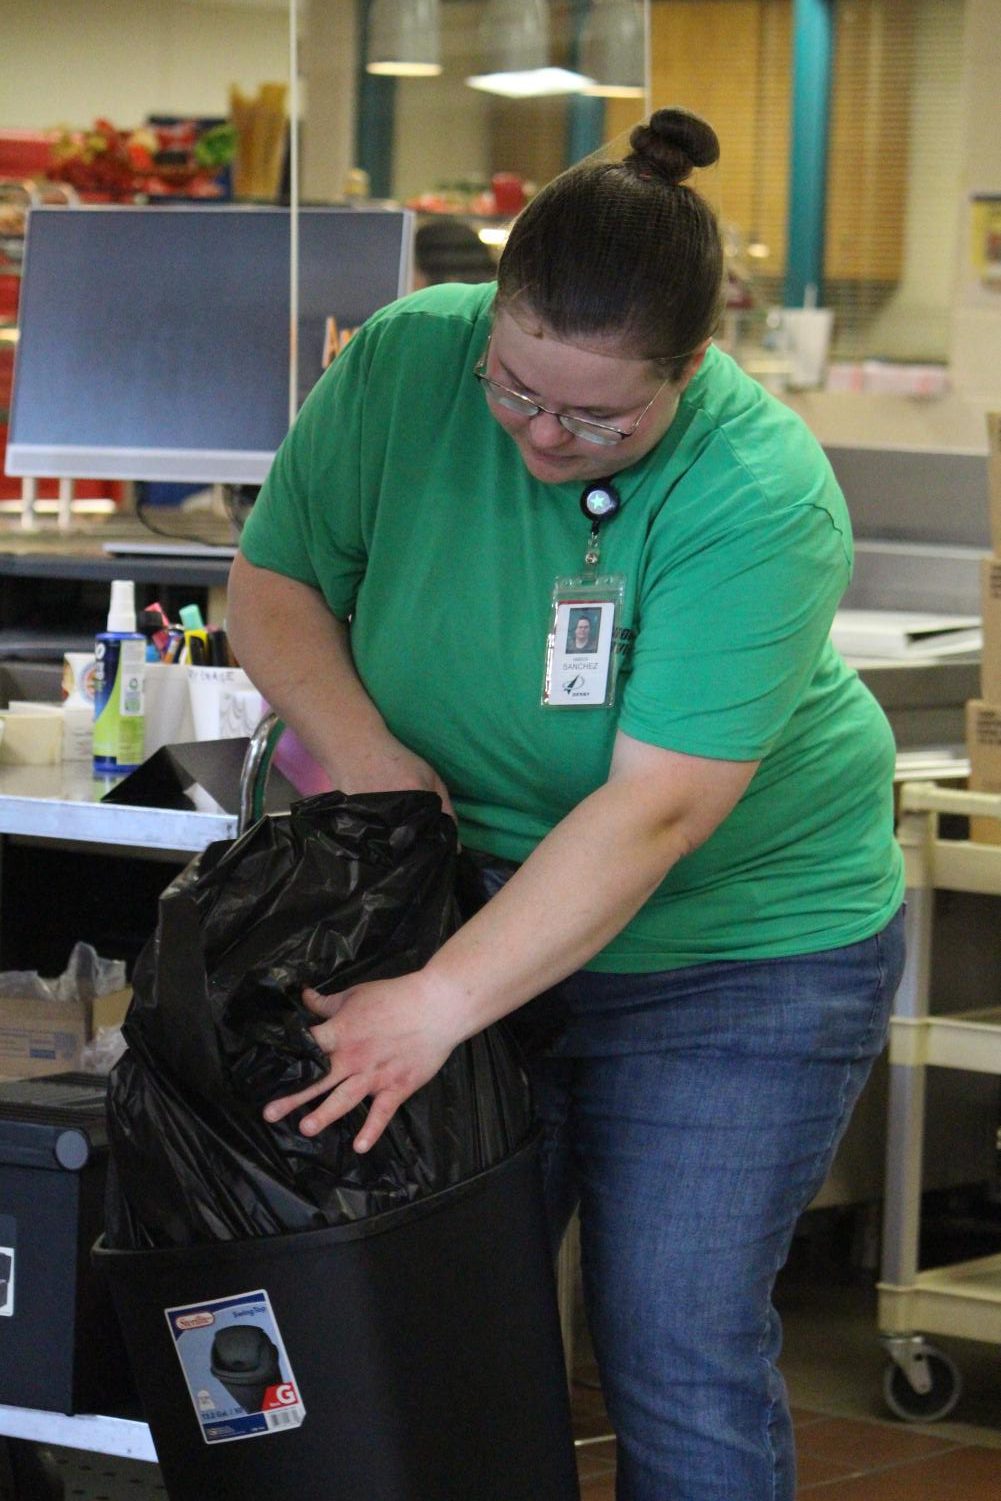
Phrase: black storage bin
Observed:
(423, 1345)
(60, 1349)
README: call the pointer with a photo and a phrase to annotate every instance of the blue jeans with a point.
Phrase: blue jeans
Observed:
(693, 1115)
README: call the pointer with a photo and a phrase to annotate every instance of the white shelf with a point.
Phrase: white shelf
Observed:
(969, 1040)
(126, 1437)
(962, 1301)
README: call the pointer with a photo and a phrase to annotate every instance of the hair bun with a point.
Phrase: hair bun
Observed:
(672, 144)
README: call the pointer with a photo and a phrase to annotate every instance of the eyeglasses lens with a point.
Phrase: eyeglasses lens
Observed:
(590, 432)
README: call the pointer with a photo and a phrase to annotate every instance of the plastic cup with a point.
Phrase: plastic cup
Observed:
(808, 338)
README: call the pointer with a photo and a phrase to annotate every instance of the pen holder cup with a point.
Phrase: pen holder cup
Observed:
(224, 702)
(167, 707)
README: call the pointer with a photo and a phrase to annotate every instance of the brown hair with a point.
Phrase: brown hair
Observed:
(625, 247)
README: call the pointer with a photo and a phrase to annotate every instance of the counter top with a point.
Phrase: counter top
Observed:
(79, 553)
(64, 802)
(149, 568)
(946, 424)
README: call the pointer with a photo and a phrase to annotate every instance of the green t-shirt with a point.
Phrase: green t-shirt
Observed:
(399, 496)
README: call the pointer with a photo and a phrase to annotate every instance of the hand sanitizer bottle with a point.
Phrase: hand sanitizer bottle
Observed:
(120, 654)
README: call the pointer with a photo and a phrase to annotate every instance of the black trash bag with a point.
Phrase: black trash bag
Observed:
(340, 890)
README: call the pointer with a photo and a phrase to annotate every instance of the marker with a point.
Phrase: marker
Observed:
(162, 636)
(196, 646)
(191, 618)
(218, 646)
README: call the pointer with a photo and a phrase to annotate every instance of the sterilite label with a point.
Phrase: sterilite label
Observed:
(236, 1367)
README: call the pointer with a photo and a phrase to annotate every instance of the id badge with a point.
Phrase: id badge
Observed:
(581, 658)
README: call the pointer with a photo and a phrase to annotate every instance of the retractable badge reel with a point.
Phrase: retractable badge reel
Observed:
(582, 656)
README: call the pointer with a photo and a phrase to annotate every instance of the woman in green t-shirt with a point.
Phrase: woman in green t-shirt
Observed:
(688, 824)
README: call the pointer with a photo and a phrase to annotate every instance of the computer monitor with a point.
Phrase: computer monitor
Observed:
(154, 341)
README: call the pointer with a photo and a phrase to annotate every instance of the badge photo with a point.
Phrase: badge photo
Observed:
(579, 661)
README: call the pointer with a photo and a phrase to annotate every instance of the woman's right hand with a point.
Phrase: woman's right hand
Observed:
(381, 763)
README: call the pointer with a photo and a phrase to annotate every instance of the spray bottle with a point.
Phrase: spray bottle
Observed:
(120, 654)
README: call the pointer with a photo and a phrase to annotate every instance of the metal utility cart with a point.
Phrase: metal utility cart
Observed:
(921, 1382)
(58, 806)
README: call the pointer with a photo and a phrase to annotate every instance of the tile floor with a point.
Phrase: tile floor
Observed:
(850, 1448)
(840, 1459)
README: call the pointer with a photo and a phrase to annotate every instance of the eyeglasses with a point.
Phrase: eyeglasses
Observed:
(592, 432)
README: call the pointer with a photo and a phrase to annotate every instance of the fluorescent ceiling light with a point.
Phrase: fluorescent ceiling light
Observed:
(404, 70)
(612, 49)
(514, 35)
(531, 82)
(514, 45)
(615, 90)
(404, 38)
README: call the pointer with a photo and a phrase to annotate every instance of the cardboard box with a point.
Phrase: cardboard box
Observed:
(994, 476)
(109, 1010)
(990, 612)
(983, 746)
(40, 1037)
(46, 1037)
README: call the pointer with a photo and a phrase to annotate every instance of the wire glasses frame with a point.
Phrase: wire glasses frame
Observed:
(604, 433)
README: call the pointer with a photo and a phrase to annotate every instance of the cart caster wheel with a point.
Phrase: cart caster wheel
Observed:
(931, 1406)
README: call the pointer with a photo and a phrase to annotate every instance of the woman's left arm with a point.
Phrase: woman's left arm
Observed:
(576, 891)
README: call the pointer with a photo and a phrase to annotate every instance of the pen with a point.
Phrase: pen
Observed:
(175, 645)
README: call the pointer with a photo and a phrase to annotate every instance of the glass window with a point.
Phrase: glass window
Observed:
(894, 161)
(893, 156)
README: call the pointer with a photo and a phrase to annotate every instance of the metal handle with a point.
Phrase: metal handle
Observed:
(256, 766)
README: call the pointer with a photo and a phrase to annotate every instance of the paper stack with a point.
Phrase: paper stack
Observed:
(903, 635)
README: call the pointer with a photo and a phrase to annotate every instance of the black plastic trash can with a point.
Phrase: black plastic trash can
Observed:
(417, 1353)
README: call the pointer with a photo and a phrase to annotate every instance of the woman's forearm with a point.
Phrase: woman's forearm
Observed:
(576, 891)
(586, 880)
(298, 654)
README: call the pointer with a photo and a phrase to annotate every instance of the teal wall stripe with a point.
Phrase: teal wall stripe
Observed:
(585, 126)
(585, 115)
(813, 31)
(375, 119)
